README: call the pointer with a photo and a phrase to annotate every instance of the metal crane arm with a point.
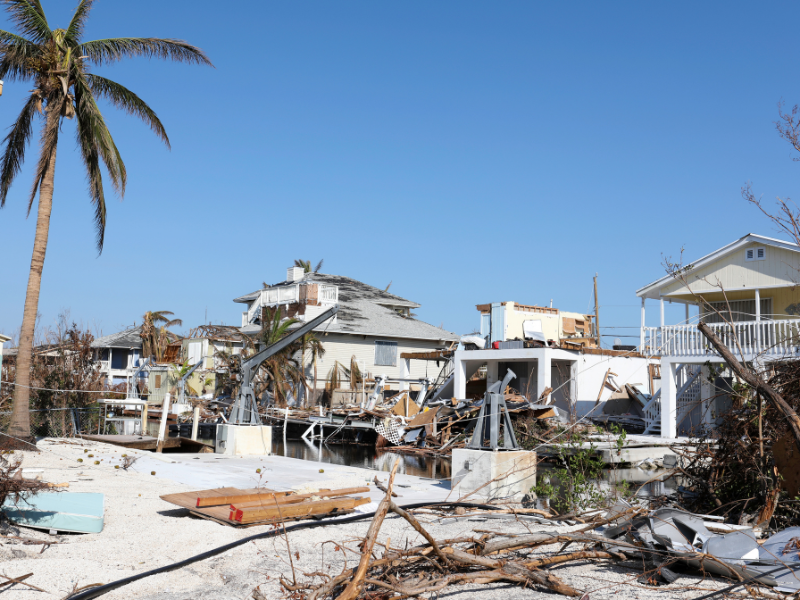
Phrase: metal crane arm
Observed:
(250, 365)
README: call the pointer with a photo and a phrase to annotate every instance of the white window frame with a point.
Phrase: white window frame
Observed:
(752, 254)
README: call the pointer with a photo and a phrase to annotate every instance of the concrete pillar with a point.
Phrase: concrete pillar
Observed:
(459, 377)
(669, 399)
(492, 374)
(543, 373)
(686, 321)
(662, 315)
(707, 397)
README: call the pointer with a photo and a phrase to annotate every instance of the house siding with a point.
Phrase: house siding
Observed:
(733, 272)
(340, 347)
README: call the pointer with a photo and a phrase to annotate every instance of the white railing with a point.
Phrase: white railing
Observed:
(329, 294)
(779, 338)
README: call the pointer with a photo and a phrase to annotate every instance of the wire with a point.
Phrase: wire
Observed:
(65, 391)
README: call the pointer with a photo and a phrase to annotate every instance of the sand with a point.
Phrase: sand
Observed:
(143, 532)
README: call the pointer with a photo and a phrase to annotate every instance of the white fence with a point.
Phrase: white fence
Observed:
(780, 338)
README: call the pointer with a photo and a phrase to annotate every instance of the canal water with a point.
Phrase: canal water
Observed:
(365, 457)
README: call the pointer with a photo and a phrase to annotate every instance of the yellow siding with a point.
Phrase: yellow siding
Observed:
(515, 319)
(780, 268)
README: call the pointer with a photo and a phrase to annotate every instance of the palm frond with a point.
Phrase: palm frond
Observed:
(126, 100)
(114, 49)
(28, 16)
(48, 152)
(76, 25)
(91, 160)
(16, 143)
(15, 55)
(86, 108)
(319, 265)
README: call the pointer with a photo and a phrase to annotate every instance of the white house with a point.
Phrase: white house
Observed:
(118, 354)
(748, 293)
(373, 325)
(3, 340)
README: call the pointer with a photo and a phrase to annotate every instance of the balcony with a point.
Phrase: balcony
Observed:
(773, 339)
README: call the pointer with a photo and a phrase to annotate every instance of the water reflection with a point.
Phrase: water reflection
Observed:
(364, 457)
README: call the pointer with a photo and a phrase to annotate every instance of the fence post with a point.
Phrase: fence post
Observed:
(75, 430)
(163, 427)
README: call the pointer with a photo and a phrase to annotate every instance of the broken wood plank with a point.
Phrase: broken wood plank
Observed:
(269, 500)
(248, 515)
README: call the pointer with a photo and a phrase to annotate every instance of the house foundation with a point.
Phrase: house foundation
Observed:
(243, 439)
(493, 475)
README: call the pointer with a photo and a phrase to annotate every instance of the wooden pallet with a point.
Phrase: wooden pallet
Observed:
(262, 506)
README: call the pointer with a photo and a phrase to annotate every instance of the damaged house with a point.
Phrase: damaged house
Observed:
(372, 325)
(554, 357)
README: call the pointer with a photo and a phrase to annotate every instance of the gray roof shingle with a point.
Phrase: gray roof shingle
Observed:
(130, 338)
(365, 310)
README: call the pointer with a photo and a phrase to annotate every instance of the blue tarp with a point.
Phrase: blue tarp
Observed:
(62, 511)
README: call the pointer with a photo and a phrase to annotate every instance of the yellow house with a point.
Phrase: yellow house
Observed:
(748, 294)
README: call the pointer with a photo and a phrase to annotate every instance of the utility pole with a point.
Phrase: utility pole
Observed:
(596, 313)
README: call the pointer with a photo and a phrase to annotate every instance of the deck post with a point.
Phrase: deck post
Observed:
(758, 321)
(669, 400)
(641, 331)
(195, 421)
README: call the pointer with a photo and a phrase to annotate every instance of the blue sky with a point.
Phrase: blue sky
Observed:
(468, 152)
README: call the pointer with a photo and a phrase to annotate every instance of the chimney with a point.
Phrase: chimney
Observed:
(295, 273)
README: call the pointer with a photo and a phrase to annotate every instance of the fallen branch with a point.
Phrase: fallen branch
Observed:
(382, 487)
(353, 589)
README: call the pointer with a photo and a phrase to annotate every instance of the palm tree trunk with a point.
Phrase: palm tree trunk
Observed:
(20, 426)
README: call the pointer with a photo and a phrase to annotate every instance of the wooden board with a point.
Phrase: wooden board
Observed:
(222, 514)
(135, 442)
(270, 500)
(189, 499)
(301, 509)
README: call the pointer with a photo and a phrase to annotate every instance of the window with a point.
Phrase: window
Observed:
(755, 254)
(386, 354)
(740, 310)
(119, 358)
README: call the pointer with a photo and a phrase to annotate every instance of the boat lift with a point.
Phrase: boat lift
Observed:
(245, 410)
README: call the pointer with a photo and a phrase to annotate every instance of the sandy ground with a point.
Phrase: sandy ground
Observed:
(143, 532)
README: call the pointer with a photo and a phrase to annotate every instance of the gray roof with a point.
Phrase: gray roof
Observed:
(365, 310)
(346, 285)
(130, 338)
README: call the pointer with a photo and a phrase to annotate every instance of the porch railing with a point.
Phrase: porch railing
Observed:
(779, 338)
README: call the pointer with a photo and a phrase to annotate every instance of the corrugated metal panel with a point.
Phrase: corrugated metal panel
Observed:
(385, 353)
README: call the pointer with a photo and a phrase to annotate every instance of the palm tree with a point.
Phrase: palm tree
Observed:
(306, 265)
(58, 63)
(155, 337)
(284, 370)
